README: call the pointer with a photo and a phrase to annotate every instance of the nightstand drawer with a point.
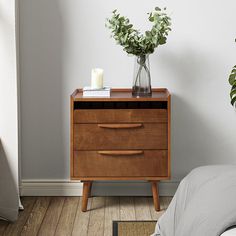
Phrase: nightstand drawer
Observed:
(120, 136)
(128, 163)
(120, 115)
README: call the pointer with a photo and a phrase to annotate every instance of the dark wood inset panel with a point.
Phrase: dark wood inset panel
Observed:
(146, 163)
(120, 115)
(120, 105)
(147, 136)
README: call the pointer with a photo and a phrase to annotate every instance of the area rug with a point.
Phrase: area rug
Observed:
(133, 228)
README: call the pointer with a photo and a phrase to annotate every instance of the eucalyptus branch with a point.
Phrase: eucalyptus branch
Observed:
(132, 41)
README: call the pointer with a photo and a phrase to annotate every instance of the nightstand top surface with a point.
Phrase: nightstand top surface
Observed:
(120, 94)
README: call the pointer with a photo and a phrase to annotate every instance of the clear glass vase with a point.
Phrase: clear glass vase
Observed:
(142, 77)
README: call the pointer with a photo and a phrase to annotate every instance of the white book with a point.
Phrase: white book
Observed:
(90, 92)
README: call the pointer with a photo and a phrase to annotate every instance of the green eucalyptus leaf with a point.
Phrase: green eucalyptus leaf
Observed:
(232, 78)
(151, 18)
(157, 9)
(233, 100)
(162, 40)
(148, 33)
(232, 93)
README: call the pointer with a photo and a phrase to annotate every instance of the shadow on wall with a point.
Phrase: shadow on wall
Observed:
(196, 138)
(9, 201)
(195, 142)
(42, 98)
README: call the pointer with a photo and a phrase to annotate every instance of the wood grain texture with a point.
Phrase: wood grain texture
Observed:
(112, 212)
(155, 215)
(142, 208)
(169, 135)
(52, 216)
(118, 123)
(123, 94)
(67, 218)
(36, 216)
(167, 201)
(86, 193)
(121, 153)
(3, 226)
(155, 194)
(90, 163)
(127, 210)
(90, 189)
(120, 126)
(91, 137)
(120, 116)
(72, 132)
(96, 223)
(147, 178)
(81, 222)
(103, 213)
(16, 228)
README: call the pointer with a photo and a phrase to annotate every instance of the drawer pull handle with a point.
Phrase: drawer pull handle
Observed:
(120, 153)
(120, 126)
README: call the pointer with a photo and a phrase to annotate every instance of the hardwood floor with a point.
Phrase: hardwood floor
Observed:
(61, 216)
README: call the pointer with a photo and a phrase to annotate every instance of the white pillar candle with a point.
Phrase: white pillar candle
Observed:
(97, 78)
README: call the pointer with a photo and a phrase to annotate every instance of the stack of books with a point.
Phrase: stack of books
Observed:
(91, 92)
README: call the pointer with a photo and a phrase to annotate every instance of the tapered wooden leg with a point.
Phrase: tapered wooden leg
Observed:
(86, 192)
(90, 188)
(155, 194)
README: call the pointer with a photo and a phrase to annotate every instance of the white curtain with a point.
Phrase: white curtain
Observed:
(9, 193)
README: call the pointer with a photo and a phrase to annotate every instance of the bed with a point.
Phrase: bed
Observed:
(204, 204)
(230, 232)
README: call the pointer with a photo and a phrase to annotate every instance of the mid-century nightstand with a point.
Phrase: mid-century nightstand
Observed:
(120, 138)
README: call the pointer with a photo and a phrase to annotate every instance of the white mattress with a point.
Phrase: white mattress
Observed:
(230, 232)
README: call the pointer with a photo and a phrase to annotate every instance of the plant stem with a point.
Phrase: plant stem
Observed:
(138, 74)
(147, 70)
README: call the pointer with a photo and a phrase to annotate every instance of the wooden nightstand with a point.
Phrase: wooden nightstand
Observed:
(120, 138)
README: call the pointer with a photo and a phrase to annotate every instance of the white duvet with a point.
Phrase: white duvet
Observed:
(204, 204)
(230, 232)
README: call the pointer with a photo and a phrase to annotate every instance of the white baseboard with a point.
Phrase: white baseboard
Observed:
(105, 188)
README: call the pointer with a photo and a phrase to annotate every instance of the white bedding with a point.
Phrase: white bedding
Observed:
(230, 232)
(204, 204)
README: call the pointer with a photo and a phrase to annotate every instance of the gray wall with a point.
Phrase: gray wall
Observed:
(60, 41)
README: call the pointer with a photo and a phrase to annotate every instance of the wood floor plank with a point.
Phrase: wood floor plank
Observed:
(36, 216)
(167, 201)
(51, 218)
(127, 210)
(81, 220)
(16, 227)
(112, 212)
(96, 222)
(3, 226)
(156, 214)
(57, 216)
(142, 211)
(67, 218)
